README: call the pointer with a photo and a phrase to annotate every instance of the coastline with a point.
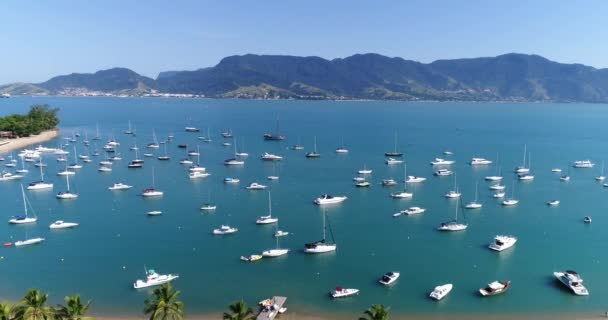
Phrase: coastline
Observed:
(14, 144)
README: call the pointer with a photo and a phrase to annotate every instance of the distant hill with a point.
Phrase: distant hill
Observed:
(509, 77)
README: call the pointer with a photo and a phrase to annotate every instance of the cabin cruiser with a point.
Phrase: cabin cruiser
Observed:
(583, 164)
(389, 278)
(327, 199)
(452, 194)
(120, 186)
(340, 292)
(59, 224)
(501, 243)
(443, 172)
(225, 230)
(28, 242)
(553, 203)
(233, 162)
(402, 194)
(573, 281)
(440, 162)
(441, 291)
(154, 279)
(198, 174)
(495, 288)
(393, 161)
(231, 180)
(414, 179)
(388, 182)
(271, 157)
(256, 186)
(480, 161)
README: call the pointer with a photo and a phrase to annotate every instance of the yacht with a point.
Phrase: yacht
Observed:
(553, 203)
(271, 157)
(414, 179)
(587, 219)
(453, 225)
(573, 281)
(198, 174)
(443, 172)
(389, 278)
(495, 288)
(313, 153)
(501, 243)
(256, 186)
(60, 224)
(441, 291)
(40, 185)
(393, 161)
(28, 242)
(394, 153)
(231, 180)
(404, 193)
(269, 219)
(440, 162)
(154, 279)
(388, 182)
(322, 246)
(7, 176)
(225, 230)
(152, 192)
(120, 186)
(327, 199)
(480, 161)
(340, 292)
(24, 218)
(583, 164)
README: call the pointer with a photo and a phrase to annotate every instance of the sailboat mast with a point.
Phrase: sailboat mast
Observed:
(315, 144)
(456, 215)
(525, 151)
(269, 205)
(395, 148)
(323, 224)
(41, 172)
(24, 203)
(67, 181)
(153, 184)
(404, 177)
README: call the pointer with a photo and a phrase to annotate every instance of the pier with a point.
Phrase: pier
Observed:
(271, 308)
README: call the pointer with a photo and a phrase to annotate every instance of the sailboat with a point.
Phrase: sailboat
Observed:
(165, 156)
(66, 171)
(403, 194)
(234, 161)
(269, 219)
(154, 144)
(322, 246)
(527, 176)
(394, 153)
(511, 201)
(67, 194)
(601, 177)
(152, 192)
(136, 163)
(197, 167)
(342, 149)
(207, 138)
(453, 225)
(276, 252)
(522, 169)
(208, 206)
(240, 154)
(97, 136)
(129, 131)
(475, 204)
(24, 218)
(453, 193)
(75, 164)
(274, 136)
(40, 185)
(314, 153)
(23, 169)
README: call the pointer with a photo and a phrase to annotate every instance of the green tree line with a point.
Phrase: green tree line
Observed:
(40, 118)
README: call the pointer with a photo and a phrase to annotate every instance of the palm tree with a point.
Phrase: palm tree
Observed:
(73, 309)
(5, 311)
(33, 307)
(240, 311)
(164, 304)
(376, 312)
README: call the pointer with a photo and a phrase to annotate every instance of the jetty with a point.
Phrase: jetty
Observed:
(271, 308)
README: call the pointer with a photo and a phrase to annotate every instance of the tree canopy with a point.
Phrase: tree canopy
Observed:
(40, 118)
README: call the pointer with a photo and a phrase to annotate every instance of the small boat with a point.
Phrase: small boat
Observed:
(226, 144)
(148, 155)
(59, 224)
(583, 164)
(453, 225)
(252, 258)
(556, 170)
(198, 174)
(104, 169)
(154, 213)
(564, 178)
(443, 172)
(388, 182)
(271, 157)
(274, 136)
(393, 161)
(394, 153)
(154, 279)
(269, 219)
(328, 199)
(587, 219)
(442, 162)
(362, 184)
(526, 177)
(389, 278)
(322, 246)
(553, 203)
(495, 288)
(208, 207)
(314, 153)
(28, 242)
(134, 164)
(475, 204)
(24, 218)
(281, 233)
(413, 210)
(414, 179)
(452, 194)
(197, 168)
(501, 243)
(441, 291)
(480, 161)
(573, 281)
(256, 186)
(231, 180)
(340, 292)
(498, 195)
(225, 230)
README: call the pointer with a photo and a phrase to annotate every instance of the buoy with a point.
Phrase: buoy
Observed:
(124, 267)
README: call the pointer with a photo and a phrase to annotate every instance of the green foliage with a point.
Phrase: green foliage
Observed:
(73, 309)
(40, 118)
(33, 307)
(376, 312)
(239, 311)
(5, 311)
(164, 304)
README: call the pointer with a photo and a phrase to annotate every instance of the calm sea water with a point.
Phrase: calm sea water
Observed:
(103, 256)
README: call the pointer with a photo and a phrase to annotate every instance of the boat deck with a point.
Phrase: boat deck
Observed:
(269, 313)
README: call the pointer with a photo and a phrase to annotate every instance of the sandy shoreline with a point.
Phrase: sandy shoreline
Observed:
(19, 143)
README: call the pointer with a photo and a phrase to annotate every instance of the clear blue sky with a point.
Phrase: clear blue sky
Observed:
(41, 39)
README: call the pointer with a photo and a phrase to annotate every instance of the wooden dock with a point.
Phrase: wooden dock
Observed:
(271, 308)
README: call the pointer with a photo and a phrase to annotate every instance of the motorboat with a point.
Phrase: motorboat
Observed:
(480, 161)
(198, 174)
(388, 182)
(7, 176)
(502, 242)
(271, 157)
(275, 252)
(154, 213)
(497, 187)
(414, 179)
(442, 162)
(553, 203)
(587, 219)
(510, 202)
(233, 162)
(401, 195)
(256, 186)
(564, 178)
(413, 210)
(573, 281)
(231, 180)
(495, 288)
(28, 242)
(104, 169)
(60, 224)
(389, 278)
(443, 172)
(328, 199)
(154, 279)
(252, 258)
(340, 292)
(583, 164)
(225, 230)
(441, 291)
(393, 161)
(208, 207)
(499, 195)
(452, 194)
(281, 233)
(362, 184)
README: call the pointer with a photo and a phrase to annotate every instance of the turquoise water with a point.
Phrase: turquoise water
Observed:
(103, 256)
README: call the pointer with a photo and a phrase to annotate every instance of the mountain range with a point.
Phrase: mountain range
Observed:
(509, 77)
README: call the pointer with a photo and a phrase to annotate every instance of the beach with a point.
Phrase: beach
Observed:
(19, 143)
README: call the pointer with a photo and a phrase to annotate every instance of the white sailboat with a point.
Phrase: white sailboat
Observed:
(404, 193)
(129, 130)
(453, 193)
(394, 153)
(208, 206)
(152, 192)
(314, 153)
(67, 194)
(453, 225)
(269, 219)
(475, 204)
(277, 251)
(239, 162)
(241, 154)
(522, 169)
(75, 164)
(601, 177)
(24, 218)
(322, 246)
(23, 169)
(341, 149)
(511, 201)
(40, 185)
(154, 144)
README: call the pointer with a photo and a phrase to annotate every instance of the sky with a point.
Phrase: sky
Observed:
(42, 39)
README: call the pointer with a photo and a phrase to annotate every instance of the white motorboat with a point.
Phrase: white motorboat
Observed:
(389, 278)
(388, 182)
(327, 199)
(556, 170)
(269, 219)
(281, 233)
(7, 176)
(573, 281)
(441, 291)
(501, 243)
(499, 195)
(256, 186)
(271, 157)
(480, 161)
(322, 246)
(413, 210)
(587, 219)
(553, 203)
(154, 279)
(104, 169)
(442, 162)
(453, 225)
(363, 184)
(230, 180)
(120, 186)
(495, 288)
(475, 204)
(452, 194)
(443, 172)
(24, 218)
(404, 193)
(497, 187)
(40, 185)
(340, 292)
(60, 224)
(198, 174)
(154, 213)
(28, 242)
(414, 179)
(274, 252)
(393, 161)
(225, 230)
(583, 164)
